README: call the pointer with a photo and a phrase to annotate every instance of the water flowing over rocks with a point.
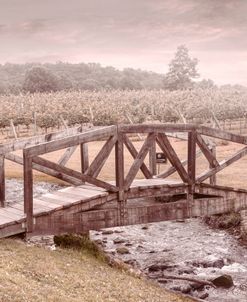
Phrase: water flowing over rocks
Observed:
(14, 189)
(211, 264)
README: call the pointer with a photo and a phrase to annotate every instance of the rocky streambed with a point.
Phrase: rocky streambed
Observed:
(188, 249)
(14, 189)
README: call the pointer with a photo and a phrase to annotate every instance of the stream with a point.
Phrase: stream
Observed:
(186, 248)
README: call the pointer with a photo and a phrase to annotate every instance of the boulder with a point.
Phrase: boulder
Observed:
(223, 281)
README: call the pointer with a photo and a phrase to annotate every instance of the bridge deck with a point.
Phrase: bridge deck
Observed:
(12, 217)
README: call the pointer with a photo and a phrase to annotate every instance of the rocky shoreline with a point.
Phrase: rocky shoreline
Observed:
(165, 252)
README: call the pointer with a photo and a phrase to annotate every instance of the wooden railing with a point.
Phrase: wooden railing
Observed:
(118, 138)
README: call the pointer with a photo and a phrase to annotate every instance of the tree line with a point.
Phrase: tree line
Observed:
(32, 77)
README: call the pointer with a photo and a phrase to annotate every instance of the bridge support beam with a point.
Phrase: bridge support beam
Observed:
(2, 182)
(212, 178)
(191, 167)
(28, 192)
(119, 170)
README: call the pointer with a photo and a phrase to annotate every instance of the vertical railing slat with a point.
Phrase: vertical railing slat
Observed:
(2, 182)
(28, 192)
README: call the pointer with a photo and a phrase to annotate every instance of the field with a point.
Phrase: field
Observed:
(45, 111)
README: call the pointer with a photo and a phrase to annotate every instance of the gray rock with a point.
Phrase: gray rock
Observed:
(107, 232)
(160, 267)
(118, 240)
(122, 250)
(185, 289)
(163, 281)
(203, 296)
(128, 244)
(218, 263)
(145, 227)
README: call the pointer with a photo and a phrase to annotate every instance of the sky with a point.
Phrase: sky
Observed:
(128, 33)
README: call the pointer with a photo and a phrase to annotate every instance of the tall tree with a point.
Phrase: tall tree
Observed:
(40, 79)
(182, 69)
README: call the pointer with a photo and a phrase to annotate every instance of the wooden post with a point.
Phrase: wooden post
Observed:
(2, 182)
(34, 123)
(212, 178)
(152, 159)
(28, 192)
(13, 128)
(119, 163)
(191, 167)
(84, 158)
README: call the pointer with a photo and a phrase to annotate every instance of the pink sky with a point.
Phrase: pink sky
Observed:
(138, 33)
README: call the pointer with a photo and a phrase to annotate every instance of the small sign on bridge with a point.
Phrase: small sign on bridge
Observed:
(161, 158)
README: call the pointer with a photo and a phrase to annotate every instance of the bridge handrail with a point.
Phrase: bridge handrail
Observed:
(117, 137)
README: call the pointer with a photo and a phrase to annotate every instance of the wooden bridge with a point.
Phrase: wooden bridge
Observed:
(92, 203)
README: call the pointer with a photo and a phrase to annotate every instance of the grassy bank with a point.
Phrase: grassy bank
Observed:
(38, 274)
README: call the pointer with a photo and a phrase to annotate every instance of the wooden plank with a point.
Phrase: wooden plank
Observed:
(4, 219)
(212, 179)
(14, 210)
(139, 160)
(160, 128)
(192, 156)
(167, 148)
(119, 163)
(99, 161)
(19, 160)
(11, 230)
(91, 187)
(172, 169)
(134, 153)
(85, 137)
(13, 128)
(45, 202)
(57, 200)
(84, 157)
(74, 196)
(220, 134)
(67, 155)
(35, 140)
(14, 215)
(88, 193)
(17, 205)
(223, 164)
(60, 196)
(75, 174)
(206, 151)
(152, 159)
(2, 182)
(131, 122)
(28, 192)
